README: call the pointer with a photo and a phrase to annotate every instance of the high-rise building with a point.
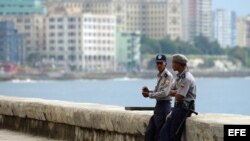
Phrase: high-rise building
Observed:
(203, 17)
(189, 13)
(10, 44)
(248, 31)
(197, 19)
(81, 42)
(174, 19)
(234, 29)
(147, 16)
(241, 32)
(21, 7)
(225, 28)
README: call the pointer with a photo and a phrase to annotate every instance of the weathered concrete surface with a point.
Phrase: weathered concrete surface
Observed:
(6, 135)
(210, 127)
(72, 121)
(95, 122)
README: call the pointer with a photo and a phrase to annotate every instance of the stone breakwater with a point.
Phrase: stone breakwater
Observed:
(95, 122)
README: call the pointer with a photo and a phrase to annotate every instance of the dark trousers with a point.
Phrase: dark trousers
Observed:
(162, 109)
(168, 132)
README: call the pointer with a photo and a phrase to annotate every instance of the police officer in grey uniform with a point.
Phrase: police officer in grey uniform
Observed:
(184, 91)
(163, 100)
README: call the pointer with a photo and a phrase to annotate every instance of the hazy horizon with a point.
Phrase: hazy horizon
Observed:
(241, 7)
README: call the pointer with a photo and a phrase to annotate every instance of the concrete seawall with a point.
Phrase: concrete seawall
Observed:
(94, 122)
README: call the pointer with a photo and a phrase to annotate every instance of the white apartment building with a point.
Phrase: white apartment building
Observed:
(99, 42)
(225, 28)
(204, 18)
(63, 41)
(81, 42)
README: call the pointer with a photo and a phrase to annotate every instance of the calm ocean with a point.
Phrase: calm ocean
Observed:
(216, 95)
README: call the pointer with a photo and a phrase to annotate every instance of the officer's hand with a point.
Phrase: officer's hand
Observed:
(145, 94)
(145, 89)
(172, 93)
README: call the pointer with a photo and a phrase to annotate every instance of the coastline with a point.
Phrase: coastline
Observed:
(103, 76)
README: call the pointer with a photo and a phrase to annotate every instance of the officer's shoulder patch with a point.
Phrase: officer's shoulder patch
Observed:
(167, 82)
(165, 75)
(183, 76)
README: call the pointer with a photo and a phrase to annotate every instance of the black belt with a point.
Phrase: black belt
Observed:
(184, 104)
(162, 101)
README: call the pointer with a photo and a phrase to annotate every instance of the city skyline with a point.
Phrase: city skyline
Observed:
(241, 7)
(59, 38)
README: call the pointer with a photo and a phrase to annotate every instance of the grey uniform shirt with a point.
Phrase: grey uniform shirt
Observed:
(163, 87)
(185, 85)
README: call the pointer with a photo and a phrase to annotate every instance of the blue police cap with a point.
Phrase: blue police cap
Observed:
(160, 58)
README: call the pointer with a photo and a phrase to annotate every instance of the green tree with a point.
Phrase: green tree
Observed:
(200, 45)
(206, 46)
(242, 54)
(186, 48)
(167, 46)
(148, 46)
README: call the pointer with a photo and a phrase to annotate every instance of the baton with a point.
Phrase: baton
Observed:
(190, 111)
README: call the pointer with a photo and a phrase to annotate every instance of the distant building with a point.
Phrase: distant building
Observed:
(81, 42)
(189, 15)
(128, 51)
(243, 31)
(27, 16)
(248, 31)
(10, 44)
(147, 16)
(99, 42)
(225, 28)
(174, 19)
(21, 7)
(203, 20)
(33, 30)
(197, 18)
(63, 41)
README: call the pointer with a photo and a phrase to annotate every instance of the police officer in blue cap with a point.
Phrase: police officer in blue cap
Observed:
(163, 100)
(184, 91)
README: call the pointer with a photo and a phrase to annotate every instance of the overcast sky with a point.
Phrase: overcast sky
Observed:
(241, 7)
